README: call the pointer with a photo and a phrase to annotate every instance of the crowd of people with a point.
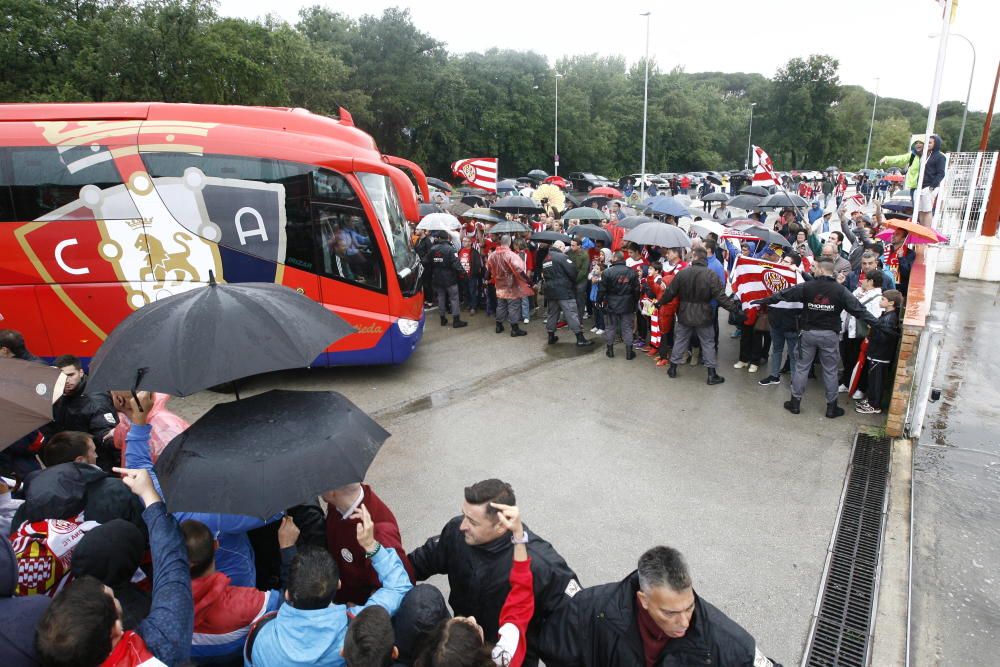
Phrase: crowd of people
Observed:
(96, 570)
(664, 302)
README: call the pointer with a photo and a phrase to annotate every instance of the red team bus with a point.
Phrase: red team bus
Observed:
(107, 207)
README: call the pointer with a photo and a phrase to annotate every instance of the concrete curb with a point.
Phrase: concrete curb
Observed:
(892, 615)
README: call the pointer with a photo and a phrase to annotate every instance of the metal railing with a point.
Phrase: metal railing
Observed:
(961, 202)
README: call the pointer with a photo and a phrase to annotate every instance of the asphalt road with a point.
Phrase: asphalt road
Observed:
(608, 458)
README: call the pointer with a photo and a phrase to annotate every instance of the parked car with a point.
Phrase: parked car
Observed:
(584, 181)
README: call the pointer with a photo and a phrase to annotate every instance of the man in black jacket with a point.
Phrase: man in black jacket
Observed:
(446, 270)
(559, 281)
(823, 299)
(618, 292)
(79, 410)
(652, 617)
(697, 286)
(476, 553)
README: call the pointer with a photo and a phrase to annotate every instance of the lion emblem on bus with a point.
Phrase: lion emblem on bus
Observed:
(774, 281)
(164, 267)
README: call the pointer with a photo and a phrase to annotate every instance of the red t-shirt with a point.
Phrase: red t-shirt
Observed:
(465, 258)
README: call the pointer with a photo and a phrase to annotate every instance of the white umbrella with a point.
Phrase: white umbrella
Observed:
(705, 227)
(442, 222)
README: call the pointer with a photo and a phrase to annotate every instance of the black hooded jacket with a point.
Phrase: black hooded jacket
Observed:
(65, 490)
(559, 276)
(599, 628)
(111, 553)
(479, 576)
(18, 615)
(90, 413)
(443, 262)
(619, 287)
(936, 165)
(697, 286)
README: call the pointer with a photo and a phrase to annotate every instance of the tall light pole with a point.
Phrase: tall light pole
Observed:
(965, 114)
(746, 165)
(871, 128)
(645, 109)
(556, 153)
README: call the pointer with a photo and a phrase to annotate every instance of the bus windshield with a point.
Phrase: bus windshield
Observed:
(382, 194)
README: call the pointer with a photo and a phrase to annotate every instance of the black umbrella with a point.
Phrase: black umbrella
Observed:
(659, 234)
(716, 196)
(212, 335)
(832, 168)
(598, 199)
(27, 392)
(782, 200)
(592, 232)
(517, 204)
(427, 209)
(470, 190)
(585, 213)
(767, 235)
(538, 173)
(507, 185)
(745, 202)
(714, 179)
(438, 183)
(754, 190)
(746, 172)
(633, 221)
(572, 200)
(458, 208)
(527, 180)
(483, 215)
(266, 453)
(473, 200)
(551, 237)
(509, 227)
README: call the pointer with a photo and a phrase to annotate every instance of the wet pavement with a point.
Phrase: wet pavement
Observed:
(956, 487)
(610, 457)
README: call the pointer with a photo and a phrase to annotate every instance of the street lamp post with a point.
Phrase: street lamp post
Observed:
(645, 109)
(871, 128)
(965, 113)
(746, 165)
(556, 153)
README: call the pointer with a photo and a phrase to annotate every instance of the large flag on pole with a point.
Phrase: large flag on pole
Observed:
(763, 169)
(478, 171)
(753, 279)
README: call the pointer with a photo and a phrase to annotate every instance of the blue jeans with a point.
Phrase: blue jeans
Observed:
(472, 287)
(779, 337)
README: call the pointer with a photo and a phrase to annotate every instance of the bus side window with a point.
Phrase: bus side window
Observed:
(347, 249)
(37, 180)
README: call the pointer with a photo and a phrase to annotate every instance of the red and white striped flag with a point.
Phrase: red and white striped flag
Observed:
(763, 173)
(478, 171)
(753, 279)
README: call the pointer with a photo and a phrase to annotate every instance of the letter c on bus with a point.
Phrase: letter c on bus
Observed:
(62, 263)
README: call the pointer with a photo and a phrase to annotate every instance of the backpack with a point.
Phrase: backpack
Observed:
(44, 551)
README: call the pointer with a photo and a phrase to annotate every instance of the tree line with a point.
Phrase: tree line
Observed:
(424, 103)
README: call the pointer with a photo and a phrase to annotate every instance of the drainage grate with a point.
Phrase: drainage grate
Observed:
(842, 626)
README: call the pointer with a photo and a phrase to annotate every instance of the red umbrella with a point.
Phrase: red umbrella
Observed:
(743, 222)
(605, 191)
(894, 178)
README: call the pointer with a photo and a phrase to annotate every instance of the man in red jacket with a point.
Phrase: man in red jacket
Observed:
(357, 576)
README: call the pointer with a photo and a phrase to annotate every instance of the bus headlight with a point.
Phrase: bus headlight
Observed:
(407, 327)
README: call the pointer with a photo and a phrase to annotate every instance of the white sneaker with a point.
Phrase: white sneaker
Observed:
(752, 369)
(526, 321)
(593, 329)
(598, 332)
(740, 364)
(858, 395)
(842, 389)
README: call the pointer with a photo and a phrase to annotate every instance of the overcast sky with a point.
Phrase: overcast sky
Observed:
(871, 38)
